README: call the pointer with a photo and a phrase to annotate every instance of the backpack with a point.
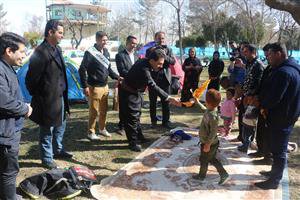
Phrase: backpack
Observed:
(59, 183)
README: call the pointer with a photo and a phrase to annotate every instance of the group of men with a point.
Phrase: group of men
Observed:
(134, 76)
(275, 90)
(46, 82)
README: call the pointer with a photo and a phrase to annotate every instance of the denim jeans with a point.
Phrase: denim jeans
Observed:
(51, 139)
(9, 168)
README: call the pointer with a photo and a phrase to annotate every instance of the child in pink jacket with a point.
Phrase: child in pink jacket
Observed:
(228, 111)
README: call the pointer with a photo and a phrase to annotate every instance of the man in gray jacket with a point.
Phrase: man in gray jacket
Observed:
(12, 112)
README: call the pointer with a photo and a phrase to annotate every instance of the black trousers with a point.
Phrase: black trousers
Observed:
(214, 84)
(164, 104)
(9, 168)
(242, 110)
(263, 137)
(121, 122)
(130, 111)
(210, 157)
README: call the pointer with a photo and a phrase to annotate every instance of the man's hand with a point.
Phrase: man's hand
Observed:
(264, 113)
(120, 79)
(174, 101)
(206, 148)
(86, 91)
(29, 110)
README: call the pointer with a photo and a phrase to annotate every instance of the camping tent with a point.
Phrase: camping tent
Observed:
(176, 69)
(75, 93)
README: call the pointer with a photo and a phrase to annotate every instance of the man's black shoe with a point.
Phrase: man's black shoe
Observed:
(264, 161)
(63, 155)
(51, 165)
(265, 173)
(267, 185)
(136, 148)
(255, 154)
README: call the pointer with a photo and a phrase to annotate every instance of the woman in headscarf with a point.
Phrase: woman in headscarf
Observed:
(215, 69)
(192, 68)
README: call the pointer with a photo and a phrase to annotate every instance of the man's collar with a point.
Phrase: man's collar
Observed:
(52, 47)
(97, 47)
(253, 60)
(129, 53)
(7, 64)
(4, 61)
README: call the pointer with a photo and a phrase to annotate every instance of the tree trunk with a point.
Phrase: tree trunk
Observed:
(179, 33)
(290, 6)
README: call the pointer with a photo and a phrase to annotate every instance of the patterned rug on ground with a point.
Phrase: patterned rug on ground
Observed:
(164, 172)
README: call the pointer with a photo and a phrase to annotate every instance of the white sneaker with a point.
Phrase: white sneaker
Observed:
(93, 137)
(104, 133)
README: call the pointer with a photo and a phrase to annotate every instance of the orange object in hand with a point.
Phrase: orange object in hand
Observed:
(187, 104)
(200, 90)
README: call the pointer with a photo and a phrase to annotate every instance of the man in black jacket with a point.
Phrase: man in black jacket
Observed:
(46, 81)
(12, 112)
(251, 85)
(133, 85)
(262, 132)
(124, 60)
(163, 79)
(94, 71)
(280, 105)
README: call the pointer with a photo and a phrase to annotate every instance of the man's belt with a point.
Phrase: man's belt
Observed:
(127, 88)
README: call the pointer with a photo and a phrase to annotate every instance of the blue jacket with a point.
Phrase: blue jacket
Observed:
(12, 106)
(281, 94)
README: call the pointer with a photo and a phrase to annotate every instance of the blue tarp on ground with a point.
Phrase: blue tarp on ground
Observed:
(75, 93)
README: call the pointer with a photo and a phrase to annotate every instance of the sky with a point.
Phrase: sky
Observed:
(20, 11)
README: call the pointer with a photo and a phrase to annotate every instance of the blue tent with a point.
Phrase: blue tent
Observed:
(75, 93)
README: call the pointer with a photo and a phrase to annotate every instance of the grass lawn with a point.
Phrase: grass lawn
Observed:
(110, 154)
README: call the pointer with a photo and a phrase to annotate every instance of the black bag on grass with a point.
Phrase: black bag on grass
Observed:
(59, 183)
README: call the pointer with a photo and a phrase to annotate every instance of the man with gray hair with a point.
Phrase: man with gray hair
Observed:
(163, 79)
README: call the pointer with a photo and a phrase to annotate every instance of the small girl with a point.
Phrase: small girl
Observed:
(228, 111)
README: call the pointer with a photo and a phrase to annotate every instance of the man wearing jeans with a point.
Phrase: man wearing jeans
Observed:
(46, 81)
(12, 112)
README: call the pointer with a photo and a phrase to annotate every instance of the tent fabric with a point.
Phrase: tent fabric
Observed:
(176, 69)
(142, 51)
(75, 93)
